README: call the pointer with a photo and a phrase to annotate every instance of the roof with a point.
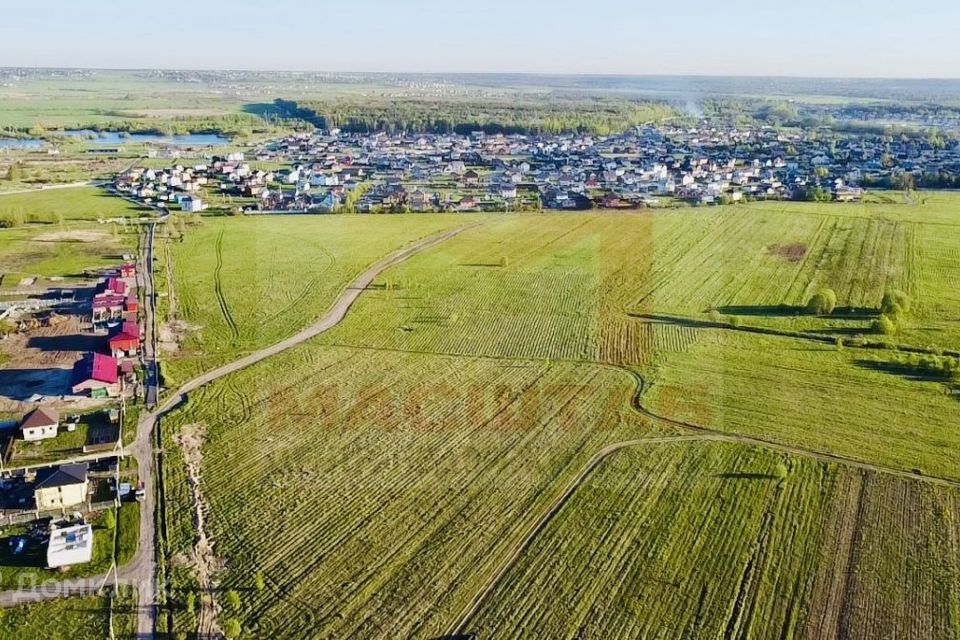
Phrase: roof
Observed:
(65, 474)
(95, 366)
(129, 331)
(71, 545)
(107, 301)
(40, 417)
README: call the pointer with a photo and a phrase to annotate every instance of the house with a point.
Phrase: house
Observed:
(97, 374)
(40, 424)
(610, 201)
(107, 308)
(191, 204)
(128, 270)
(126, 341)
(131, 304)
(61, 487)
(471, 178)
(419, 201)
(70, 546)
(849, 194)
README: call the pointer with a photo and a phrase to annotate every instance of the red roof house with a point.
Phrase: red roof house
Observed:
(107, 307)
(97, 374)
(126, 341)
(131, 304)
(128, 270)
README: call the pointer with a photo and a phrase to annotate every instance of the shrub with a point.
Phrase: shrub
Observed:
(715, 316)
(231, 628)
(895, 302)
(504, 261)
(233, 599)
(191, 602)
(109, 519)
(781, 471)
(822, 303)
(884, 325)
(258, 581)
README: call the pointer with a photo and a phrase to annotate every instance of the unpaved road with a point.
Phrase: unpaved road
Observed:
(701, 434)
(142, 569)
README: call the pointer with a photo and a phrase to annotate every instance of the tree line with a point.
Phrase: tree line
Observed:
(422, 115)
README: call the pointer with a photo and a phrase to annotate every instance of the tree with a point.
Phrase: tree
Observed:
(781, 471)
(258, 581)
(191, 602)
(822, 303)
(884, 325)
(895, 302)
(232, 629)
(233, 599)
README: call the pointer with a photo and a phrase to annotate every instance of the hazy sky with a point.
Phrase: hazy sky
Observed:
(735, 37)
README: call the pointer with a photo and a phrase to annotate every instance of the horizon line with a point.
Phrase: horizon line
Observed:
(588, 74)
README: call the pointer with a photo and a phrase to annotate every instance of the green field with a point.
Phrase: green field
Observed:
(56, 233)
(242, 284)
(708, 541)
(379, 475)
(375, 490)
(86, 618)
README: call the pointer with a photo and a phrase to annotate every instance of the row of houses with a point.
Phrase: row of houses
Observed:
(114, 310)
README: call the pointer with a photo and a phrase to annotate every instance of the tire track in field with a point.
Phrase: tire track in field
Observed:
(218, 290)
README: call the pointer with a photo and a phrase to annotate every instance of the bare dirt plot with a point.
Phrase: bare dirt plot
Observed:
(77, 235)
(56, 345)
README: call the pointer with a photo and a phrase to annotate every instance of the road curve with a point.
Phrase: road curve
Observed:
(700, 434)
(142, 569)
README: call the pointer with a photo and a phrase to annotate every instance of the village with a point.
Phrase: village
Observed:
(63, 461)
(648, 166)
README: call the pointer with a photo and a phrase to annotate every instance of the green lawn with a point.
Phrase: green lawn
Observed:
(30, 567)
(245, 283)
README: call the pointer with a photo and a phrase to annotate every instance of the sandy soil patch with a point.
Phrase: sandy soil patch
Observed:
(203, 559)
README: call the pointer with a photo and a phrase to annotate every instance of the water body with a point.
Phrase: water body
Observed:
(117, 138)
(20, 143)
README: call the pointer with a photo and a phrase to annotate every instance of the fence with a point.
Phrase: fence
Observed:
(22, 517)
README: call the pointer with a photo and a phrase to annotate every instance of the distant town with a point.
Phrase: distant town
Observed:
(648, 166)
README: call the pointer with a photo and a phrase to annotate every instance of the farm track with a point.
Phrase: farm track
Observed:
(218, 290)
(141, 570)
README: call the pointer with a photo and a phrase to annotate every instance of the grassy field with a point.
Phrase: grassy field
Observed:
(375, 490)
(577, 287)
(56, 233)
(708, 541)
(377, 494)
(244, 283)
(810, 395)
(86, 618)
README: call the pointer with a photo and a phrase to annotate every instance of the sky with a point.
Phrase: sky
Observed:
(819, 38)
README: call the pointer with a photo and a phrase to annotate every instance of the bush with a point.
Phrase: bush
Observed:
(822, 303)
(504, 261)
(191, 602)
(233, 599)
(895, 302)
(231, 628)
(884, 325)
(258, 581)
(109, 519)
(781, 471)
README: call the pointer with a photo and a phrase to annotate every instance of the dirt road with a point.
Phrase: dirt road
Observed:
(142, 568)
